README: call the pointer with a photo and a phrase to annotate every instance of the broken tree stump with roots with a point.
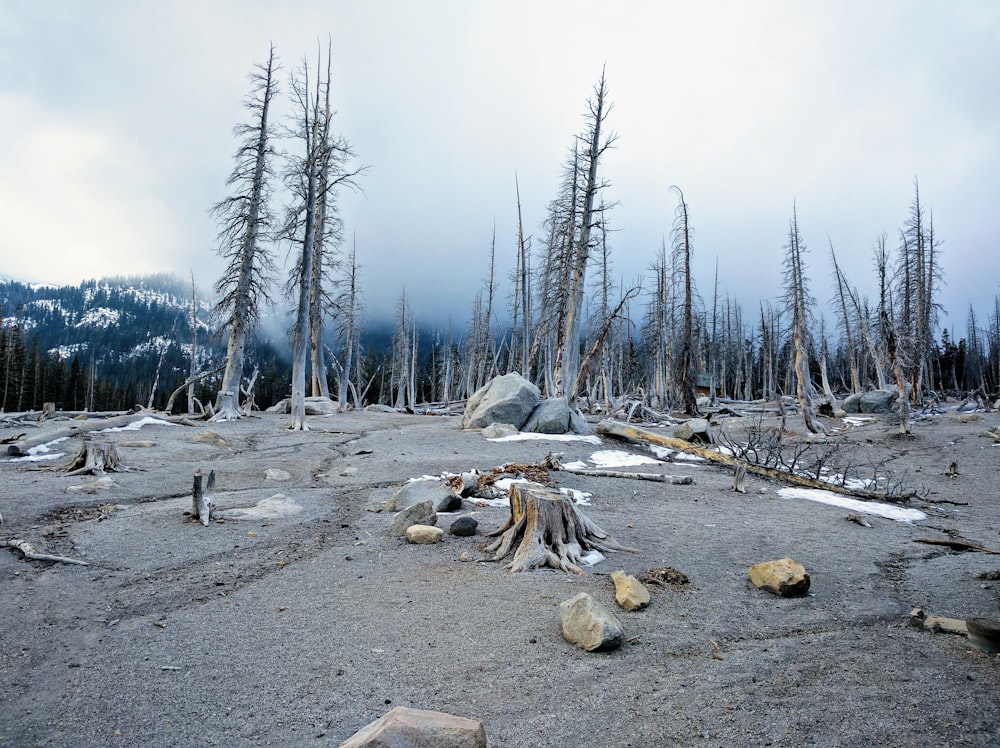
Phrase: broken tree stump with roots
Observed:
(546, 528)
(97, 458)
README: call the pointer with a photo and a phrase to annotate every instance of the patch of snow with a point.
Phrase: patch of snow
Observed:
(857, 420)
(874, 508)
(531, 436)
(66, 352)
(591, 557)
(665, 453)
(99, 317)
(138, 424)
(576, 465)
(612, 458)
(42, 452)
(580, 498)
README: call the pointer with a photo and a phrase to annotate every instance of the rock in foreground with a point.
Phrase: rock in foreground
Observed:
(589, 625)
(507, 399)
(419, 728)
(784, 577)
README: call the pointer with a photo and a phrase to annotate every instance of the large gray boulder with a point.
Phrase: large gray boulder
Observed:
(414, 492)
(876, 401)
(418, 514)
(695, 430)
(550, 416)
(507, 399)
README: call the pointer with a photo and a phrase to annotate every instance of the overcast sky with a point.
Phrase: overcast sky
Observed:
(117, 117)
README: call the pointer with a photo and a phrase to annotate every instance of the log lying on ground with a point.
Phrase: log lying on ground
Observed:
(642, 436)
(677, 480)
(956, 545)
(546, 528)
(97, 458)
(75, 428)
(30, 553)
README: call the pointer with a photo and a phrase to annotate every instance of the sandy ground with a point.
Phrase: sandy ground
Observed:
(300, 629)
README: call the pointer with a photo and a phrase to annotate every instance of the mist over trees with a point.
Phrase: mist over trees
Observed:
(547, 303)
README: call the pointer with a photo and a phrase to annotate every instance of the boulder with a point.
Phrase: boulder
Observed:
(589, 625)
(499, 430)
(578, 424)
(629, 591)
(704, 401)
(426, 489)
(418, 514)
(784, 577)
(277, 474)
(419, 728)
(550, 416)
(695, 430)
(464, 527)
(875, 401)
(424, 534)
(507, 399)
(379, 408)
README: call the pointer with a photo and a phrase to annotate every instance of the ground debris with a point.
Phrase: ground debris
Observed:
(663, 577)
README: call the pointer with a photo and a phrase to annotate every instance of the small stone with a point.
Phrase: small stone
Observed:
(276, 474)
(424, 534)
(465, 556)
(629, 591)
(418, 514)
(450, 503)
(784, 577)
(464, 527)
(589, 625)
(421, 728)
(498, 430)
(348, 471)
(695, 430)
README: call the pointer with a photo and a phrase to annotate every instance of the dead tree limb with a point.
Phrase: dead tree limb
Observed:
(30, 553)
(642, 436)
(676, 480)
(187, 383)
(546, 528)
(956, 545)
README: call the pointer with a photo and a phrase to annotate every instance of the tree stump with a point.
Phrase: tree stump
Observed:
(202, 500)
(97, 458)
(547, 529)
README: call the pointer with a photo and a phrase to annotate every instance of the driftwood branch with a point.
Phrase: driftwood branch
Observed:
(677, 480)
(642, 436)
(187, 383)
(956, 545)
(30, 553)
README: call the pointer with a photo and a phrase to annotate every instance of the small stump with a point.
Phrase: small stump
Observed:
(97, 458)
(547, 529)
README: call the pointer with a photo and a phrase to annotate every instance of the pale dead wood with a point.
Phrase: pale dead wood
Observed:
(546, 528)
(677, 480)
(938, 624)
(96, 458)
(740, 478)
(187, 383)
(29, 552)
(956, 545)
(202, 501)
(638, 435)
(75, 428)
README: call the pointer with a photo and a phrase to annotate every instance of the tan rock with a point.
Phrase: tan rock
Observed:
(784, 577)
(419, 728)
(589, 625)
(423, 534)
(630, 593)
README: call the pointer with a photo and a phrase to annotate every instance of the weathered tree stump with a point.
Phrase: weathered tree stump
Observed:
(202, 501)
(97, 458)
(547, 529)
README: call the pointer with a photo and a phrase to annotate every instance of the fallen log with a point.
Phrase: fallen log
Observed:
(546, 528)
(676, 480)
(75, 428)
(642, 436)
(28, 551)
(956, 545)
(938, 624)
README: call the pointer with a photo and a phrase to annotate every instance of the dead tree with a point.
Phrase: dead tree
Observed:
(244, 223)
(685, 358)
(202, 499)
(546, 528)
(798, 302)
(97, 458)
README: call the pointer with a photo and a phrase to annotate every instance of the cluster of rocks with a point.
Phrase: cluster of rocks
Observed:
(514, 404)
(417, 505)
